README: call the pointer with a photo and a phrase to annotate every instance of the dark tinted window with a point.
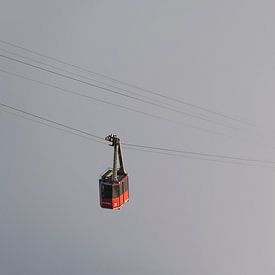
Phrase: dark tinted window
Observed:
(106, 191)
(116, 190)
(126, 185)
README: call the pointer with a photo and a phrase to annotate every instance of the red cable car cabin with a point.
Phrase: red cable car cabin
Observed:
(113, 185)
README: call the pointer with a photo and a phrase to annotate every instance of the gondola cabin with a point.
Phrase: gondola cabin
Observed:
(114, 184)
(113, 194)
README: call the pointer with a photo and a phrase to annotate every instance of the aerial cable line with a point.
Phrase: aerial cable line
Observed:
(81, 94)
(249, 123)
(116, 105)
(142, 147)
(51, 126)
(52, 121)
(113, 104)
(113, 91)
(97, 81)
(197, 153)
(197, 158)
(82, 76)
(131, 148)
(221, 114)
(137, 149)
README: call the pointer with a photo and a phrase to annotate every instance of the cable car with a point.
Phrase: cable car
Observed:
(114, 184)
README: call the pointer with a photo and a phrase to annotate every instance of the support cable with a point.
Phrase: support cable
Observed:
(115, 92)
(144, 147)
(58, 88)
(99, 82)
(202, 108)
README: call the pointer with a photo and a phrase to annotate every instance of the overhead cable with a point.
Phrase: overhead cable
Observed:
(112, 104)
(143, 147)
(197, 158)
(51, 121)
(51, 126)
(197, 153)
(97, 81)
(202, 108)
(113, 91)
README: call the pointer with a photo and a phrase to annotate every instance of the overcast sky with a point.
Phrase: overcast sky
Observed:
(185, 216)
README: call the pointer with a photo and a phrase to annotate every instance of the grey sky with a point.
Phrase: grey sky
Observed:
(184, 216)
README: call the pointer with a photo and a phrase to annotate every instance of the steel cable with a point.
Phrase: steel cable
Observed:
(144, 147)
(202, 108)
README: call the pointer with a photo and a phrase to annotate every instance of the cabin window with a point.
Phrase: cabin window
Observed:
(106, 191)
(116, 191)
(126, 185)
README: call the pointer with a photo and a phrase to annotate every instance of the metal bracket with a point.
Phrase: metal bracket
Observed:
(114, 139)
